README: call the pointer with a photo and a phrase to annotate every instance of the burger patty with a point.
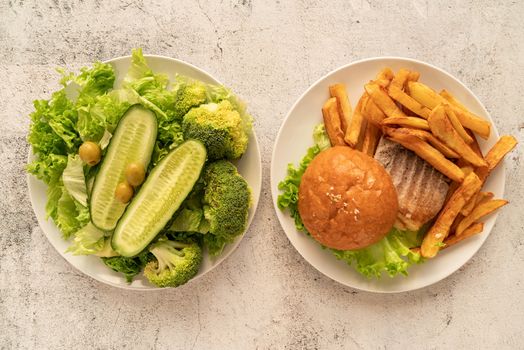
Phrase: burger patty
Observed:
(421, 189)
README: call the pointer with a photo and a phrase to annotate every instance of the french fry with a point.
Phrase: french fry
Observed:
(413, 76)
(440, 229)
(457, 105)
(344, 107)
(372, 113)
(400, 79)
(332, 122)
(355, 126)
(413, 122)
(468, 169)
(385, 73)
(407, 101)
(480, 211)
(428, 153)
(371, 138)
(442, 128)
(469, 232)
(456, 124)
(503, 146)
(429, 98)
(480, 197)
(383, 101)
(483, 197)
(451, 99)
(432, 140)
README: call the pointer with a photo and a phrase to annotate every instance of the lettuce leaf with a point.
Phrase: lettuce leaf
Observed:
(391, 255)
(70, 215)
(74, 180)
(88, 240)
(288, 199)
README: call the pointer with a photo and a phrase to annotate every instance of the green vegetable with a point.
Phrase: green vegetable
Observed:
(88, 240)
(175, 263)
(188, 94)
(227, 199)
(74, 180)
(87, 108)
(129, 267)
(219, 127)
(190, 220)
(132, 142)
(70, 215)
(166, 187)
(288, 199)
(320, 137)
(391, 255)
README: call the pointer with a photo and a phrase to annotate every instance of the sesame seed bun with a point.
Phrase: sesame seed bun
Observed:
(347, 199)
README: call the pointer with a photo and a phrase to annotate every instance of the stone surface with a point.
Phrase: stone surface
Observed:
(265, 296)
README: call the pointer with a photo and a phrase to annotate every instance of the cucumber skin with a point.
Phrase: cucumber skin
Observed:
(107, 151)
(139, 248)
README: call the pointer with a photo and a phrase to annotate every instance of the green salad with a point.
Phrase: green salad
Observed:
(391, 255)
(141, 175)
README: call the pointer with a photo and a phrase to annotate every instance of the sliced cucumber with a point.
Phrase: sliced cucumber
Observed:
(133, 141)
(160, 196)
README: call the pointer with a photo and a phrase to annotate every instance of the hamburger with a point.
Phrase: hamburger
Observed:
(346, 199)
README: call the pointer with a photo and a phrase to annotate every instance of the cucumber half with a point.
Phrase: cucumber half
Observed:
(133, 141)
(160, 196)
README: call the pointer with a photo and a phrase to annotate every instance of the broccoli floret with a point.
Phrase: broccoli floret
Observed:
(187, 96)
(219, 127)
(175, 264)
(227, 199)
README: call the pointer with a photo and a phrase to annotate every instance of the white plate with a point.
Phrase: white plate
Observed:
(249, 166)
(295, 136)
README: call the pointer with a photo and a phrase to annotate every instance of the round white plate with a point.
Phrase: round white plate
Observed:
(249, 166)
(295, 136)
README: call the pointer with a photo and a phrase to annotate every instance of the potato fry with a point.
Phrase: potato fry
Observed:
(400, 79)
(372, 113)
(428, 153)
(432, 140)
(442, 128)
(332, 122)
(371, 138)
(413, 76)
(456, 124)
(344, 107)
(503, 146)
(480, 211)
(451, 99)
(480, 197)
(440, 229)
(385, 73)
(383, 101)
(468, 169)
(407, 101)
(354, 129)
(429, 98)
(457, 105)
(469, 232)
(413, 122)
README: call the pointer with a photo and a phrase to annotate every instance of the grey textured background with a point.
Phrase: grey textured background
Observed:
(265, 295)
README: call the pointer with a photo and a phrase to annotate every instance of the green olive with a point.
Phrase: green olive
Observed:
(135, 174)
(90, 153)
(123, 192)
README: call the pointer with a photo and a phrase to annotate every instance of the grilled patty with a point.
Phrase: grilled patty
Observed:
(420, 188)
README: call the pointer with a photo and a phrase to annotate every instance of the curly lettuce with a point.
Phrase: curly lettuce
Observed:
(392, 255)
